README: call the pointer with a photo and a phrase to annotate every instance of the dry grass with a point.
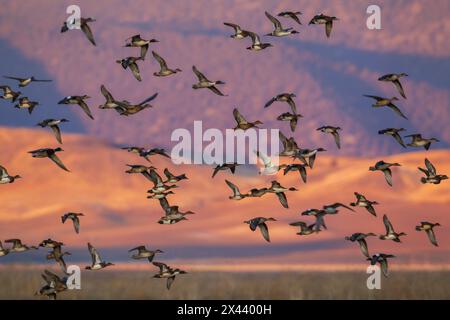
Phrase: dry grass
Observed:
(21, 284)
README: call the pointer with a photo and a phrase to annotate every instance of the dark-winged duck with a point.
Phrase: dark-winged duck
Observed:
(385, 168)
(9, 94)
(431, 176)
(164, 70)
(171, 178)
(26, 103)
(131, 63)
(333, 131)
(278, 30)
(237, 195)
(97, 262)
(75, 217)
(79, 100)
(326, 20)
(395, 134)
(257, 45)
(395, 79)
(260, 222)
(291, 117)
(51, 154)
(238, 32)
(54, 125)
(418, 141)
(5, 177)
(279, 190)
(144, 253)
(390, 232)
(17, 246)
(166, 272)
(291, 14)
(305, 229)
(137, 41)
(301, 168)
(361, 239)
(205, 83)
(23, 82)
(225, 166)
(242, 123)
(428, 228)
(386, 102)
(283, 97)
(362, 201)
(83, 26)
(382, 259)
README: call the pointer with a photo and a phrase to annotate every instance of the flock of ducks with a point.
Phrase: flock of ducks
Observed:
(162, 188)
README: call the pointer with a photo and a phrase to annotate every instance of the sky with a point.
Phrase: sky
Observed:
(329, 77)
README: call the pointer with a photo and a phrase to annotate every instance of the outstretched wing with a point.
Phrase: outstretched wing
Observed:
(399, 87)
(430, 167)
(275, 21)
(388, 176)
(96, 259)
(396, 110)
(264, 231)
(58, 161)
(238, 117)
(283, 200)
(57, 132)
(161, 61)
(201, 77)
(388, 225)
(88, 32)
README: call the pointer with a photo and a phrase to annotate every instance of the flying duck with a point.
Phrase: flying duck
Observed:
(171, 178)
(159, 185)
(53, 124)
(334, 132)
(57, 255)
(333, 208)
(173, 214)
(290, 147)
(225, 166)
(242, 123)
(97, 262)
(164, 70)
(203, 82)
(75, 219)
(269, 167)
(257, 45)
(79, 100)
(54, 284)
(385, 168)
(137, 41)
(143, 253)
(50, 243)
(160, 195)
(305, 229)
(362, 201)
(83, 26)
(361, 239)
(131, 62)
(110, 102)
(283, 97)
(395, 79)
(418, 141)
(326, 20)
(26, 103)
(3, 251)
(308, 156)
(137, 168)
(9, 94)
(395, 134)
(167, 272)
(238, 32)
(237, 195)
(431, 176)
(291, 14)
(320, 218)
(292, 118)
(428, 228)
(146, 153)
(390, 233)
(125, 108)
(279, 190)
(5, 177)
(23, 82)
(278, 30)
(381, 258)
(386, 102)
(301, 168)
(260, 222)
(17, 246)
(51, 154)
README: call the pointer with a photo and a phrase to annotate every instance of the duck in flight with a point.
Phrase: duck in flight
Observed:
(238, 32)
(291, 117)
(225, 166)
(147, 153)
(205, 83)
(291, 14)
(144, 253)
(126, 109)
(334, 131)
(137, 41)
(283, 97)
(83, 26)
(334, 208)
(385, 168)
(51, 154)
(290, 147)
(395, 79)
(58, 255)
(53, 285)
(395, 134)
(418, 141)
(301, 168)
(279, 190)
(326, 20)
(278, 30)
(26, 103)
(5, 177)
(257, 45)
(242, 123)
(382, 259)
(390, 232)
(97, 262)
(431, 175)
(237, 195)
(8, 93)
(23, 82)
(428, 228)
(308, 156)
(305, 229)
(361, 239)
(260, 222)
(362, 201)
(79, 100)
(164, 70)
(166, 272)
(54, 125)
(172, 213)
(131, 63)
(386, 102)
(18, 246)
(75, 217)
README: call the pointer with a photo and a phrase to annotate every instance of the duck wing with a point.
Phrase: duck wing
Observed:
(57, 132)
(363, 246)
(155, 178)
(328, 27)
(13, 78)
(388, 225)
(160, 60)
(85, 108)
(149, 99)
(291, 103)
(108, 96)
(88, 32)
(371, 210)
(76, 224)
(169, 282)
(302, 171)
(216, 169)
(396, 110)
(398, 139)
(264, 231)
(384, 267)
(135, 70)
(432, 237)
(3, 172)
(268, 103)
(215, 90)
(58, 162)
(238, 117)
(233, 187)
(293, 123)
(337, 139)
(283, 200)
(144, 50)
(255, 38)
(399, 87)
(430, 167)
(201, 77)
(276, 23)
(236, 27)
(373, 97)
(96, 259)
(388, 176)
(162, 266)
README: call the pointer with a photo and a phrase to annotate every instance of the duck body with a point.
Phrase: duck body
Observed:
(418, 141)
(9, 94)
(5, 177)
